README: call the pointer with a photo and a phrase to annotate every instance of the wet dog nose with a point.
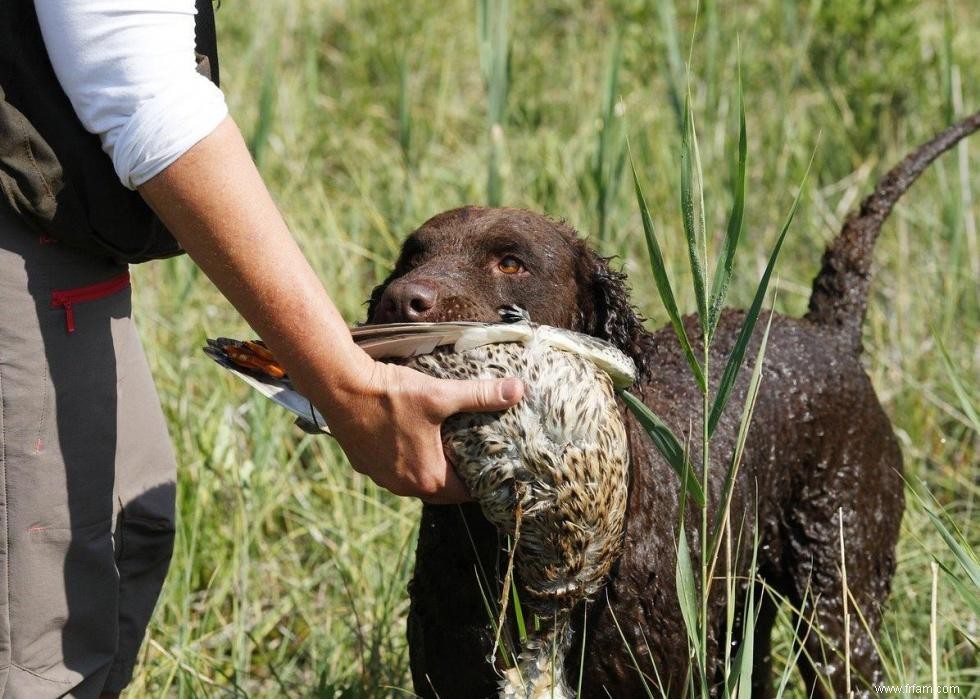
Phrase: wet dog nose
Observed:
(408, 302)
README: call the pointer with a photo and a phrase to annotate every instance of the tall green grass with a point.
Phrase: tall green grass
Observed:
(694, 599)
(495, 63)
(290, 572)
(610, 153)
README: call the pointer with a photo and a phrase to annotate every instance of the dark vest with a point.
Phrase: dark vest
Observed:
(53, 172)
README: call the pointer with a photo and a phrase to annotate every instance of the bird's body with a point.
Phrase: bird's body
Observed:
(560, 454)
(551, 472)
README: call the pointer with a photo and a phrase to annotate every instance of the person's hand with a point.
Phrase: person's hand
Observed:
(387, 419)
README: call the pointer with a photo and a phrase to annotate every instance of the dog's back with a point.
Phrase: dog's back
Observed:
(821, 474)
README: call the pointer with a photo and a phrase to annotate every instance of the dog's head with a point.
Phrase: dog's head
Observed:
(467, 263)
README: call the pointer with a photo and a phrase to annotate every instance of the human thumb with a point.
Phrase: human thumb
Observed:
(482, 396)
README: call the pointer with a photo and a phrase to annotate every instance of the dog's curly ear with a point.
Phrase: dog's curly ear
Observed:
(607, 312)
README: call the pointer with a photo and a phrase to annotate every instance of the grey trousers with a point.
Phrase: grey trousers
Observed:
(87, 476)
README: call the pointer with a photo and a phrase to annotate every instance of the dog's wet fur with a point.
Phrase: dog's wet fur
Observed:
(821, 461)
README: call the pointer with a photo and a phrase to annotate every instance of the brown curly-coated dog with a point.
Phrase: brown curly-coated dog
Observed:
(820, 455)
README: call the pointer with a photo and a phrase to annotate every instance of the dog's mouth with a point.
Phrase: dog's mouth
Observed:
(449, 309)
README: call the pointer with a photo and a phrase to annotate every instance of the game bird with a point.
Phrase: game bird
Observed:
(551, 472)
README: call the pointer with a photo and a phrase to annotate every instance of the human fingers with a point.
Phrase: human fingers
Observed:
(476, 396)
(451, 490)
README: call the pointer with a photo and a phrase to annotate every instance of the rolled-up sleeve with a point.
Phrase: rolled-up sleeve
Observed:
(129, 69)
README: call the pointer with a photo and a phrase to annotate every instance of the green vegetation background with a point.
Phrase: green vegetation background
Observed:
(290, 572)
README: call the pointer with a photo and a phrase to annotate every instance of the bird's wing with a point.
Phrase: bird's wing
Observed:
(621, 369)
(255, 365)
(278, 388)
(404, 340)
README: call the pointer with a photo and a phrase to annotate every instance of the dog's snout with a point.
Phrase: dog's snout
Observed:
(408, 302)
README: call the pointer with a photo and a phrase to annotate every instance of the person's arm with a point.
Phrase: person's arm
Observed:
(128, 68)
(386, 418)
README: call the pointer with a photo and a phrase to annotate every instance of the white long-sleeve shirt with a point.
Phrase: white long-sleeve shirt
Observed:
(128, 68)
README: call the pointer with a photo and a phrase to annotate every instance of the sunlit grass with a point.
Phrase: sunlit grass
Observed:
(290, 572)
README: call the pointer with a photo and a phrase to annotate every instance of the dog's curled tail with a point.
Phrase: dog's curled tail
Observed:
(840, 291)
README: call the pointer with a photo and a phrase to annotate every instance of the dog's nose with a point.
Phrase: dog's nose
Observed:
(409, 302)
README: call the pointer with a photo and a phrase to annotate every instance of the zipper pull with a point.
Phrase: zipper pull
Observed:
(69, 317)
(62, 300)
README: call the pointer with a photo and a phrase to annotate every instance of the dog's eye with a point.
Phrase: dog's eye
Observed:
(510, 265)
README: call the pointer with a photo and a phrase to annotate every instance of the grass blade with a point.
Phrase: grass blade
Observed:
(493, 25)
(747, 650)
(964, 555)
(737, 356)
(801, 636)
(692, 208)
(267, 110)
(687, 591)
(667, 16)
(494, 20)
(494, 182)
(726, 264)
(581, 658)
(404, 113)
(518, 612)
(728, 488)
(946, 62)
(607, 165)
(666, 443)
(662, 281)
(629, 649)
(959, 546)
(961, 394)
(969, 595)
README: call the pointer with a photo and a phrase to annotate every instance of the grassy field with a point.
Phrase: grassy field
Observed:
(290, 572)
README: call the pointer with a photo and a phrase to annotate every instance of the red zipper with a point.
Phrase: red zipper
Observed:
(68, 297)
